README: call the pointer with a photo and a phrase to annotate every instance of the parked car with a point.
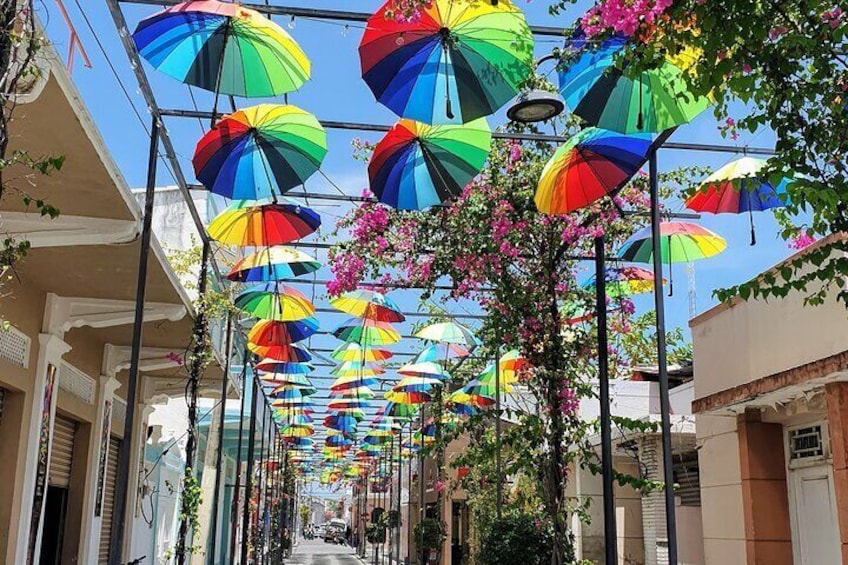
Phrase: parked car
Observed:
(321, 530)
(335, 533)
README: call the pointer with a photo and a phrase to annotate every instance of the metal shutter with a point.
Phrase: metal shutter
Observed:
(108, 500)
(62, 452)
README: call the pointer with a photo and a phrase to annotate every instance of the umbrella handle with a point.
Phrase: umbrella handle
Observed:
(220, 72)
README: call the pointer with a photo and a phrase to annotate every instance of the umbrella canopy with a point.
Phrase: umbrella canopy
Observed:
(739, 187)
(597, 89)
(366, 331)
(416, 384)
(283, 367)
(416, 166)
(246, 224)
(280, 379)
(273, 264)
(356, 352)
(425, 369)
(399, 411)
(459, 61)
(353, 382)
(357, 369)
(624, 281)
(222, 47)
(352, 392)
(590, 165)
(275, 301)
(340, 421)
(368, 304)
(408, 398)
(279, 335)
(291, 354)
(439, 352)
(298, 431)
(260, 152)
(347, 404)
(449, 332)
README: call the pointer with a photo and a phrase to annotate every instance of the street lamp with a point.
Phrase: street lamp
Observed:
(536, 105)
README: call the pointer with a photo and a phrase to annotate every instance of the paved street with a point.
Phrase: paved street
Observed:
(316, 552)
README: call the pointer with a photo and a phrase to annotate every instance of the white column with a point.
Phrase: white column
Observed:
(98, 461)
(50, 351)
(207, 488)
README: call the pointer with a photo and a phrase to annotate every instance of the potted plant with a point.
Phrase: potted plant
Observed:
(429, 535)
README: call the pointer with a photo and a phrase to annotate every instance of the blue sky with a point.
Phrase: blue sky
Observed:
(336, 92)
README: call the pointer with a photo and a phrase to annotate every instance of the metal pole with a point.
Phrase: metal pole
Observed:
(198, 353)
(119, 517)
(219, 458)
(259, 547)
(421, 551)
(248, 483)
(498, 472)
(610, 537)
(399, 524)
(665, 408)
(237, 488)
(409, 502)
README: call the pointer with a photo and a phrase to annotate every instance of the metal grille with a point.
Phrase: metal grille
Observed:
(108, 500)
(806, 443)
(77, 383)
(14, 347)
(62, 452)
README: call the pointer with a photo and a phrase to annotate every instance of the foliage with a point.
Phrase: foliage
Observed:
(189, 506)
(430, 533)
(779, 64)
(520, 268)
(517, 539)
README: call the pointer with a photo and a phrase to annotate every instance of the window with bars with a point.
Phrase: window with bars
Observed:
(806, 443)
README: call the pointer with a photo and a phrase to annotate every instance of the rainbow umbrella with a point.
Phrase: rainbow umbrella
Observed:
(459, 61)
(280, 379)
(591, 164)
(275, 301)
(340, 421)
(438, 352)
(260, 152)
(368, 304)
(356, 369)
(449, 332)
(425, 369)
(356, 352)
(222, 47)
(246, 224)
(298, 431)
(403, 397)
(399, 411)
(460, 403)
(416, 384)
(352, 382)
(416, 166)
(339, 440)
(366, 331)
(680, 242)
(624, 281)
(290, 354)
(347, 404)
(739, 187)
(596, 88)
(283, 367)
(269, 338)
(273, 264)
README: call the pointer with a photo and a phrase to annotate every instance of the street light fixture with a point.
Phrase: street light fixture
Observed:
(536, 105)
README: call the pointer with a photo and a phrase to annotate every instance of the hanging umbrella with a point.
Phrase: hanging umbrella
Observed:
(273, 264)
(246, 224)
(416, 384)
(222, 47)
(680, 242)
(624, 281)
(459, 61)
(278, 379)
(591, 164)
(366, 331)
(275, 301)
(353, 382)
(361, 392)
(439, 352)
(283, 367)
(298, 431)
(461, 403)
(368, 304)
(425, 369)
(416, 166)
(449, 332)
(341, 421)
(260, 152)
(400, 411)
(356, 352)
(269, 338)
(348, 404)
(290, 354)
(401, 397)
(739, 187)
(597, 89)
(357, 369)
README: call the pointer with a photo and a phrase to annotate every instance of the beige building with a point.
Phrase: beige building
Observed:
(64, 360)
(771, 398)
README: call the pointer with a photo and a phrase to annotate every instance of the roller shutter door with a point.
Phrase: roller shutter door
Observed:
(108, 500)
(62, 452)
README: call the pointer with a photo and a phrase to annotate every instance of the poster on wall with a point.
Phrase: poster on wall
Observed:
(101, 461)
(42, 462)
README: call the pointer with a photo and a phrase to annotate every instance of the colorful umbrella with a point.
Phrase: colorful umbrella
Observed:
(290, 354)
(283, 367)
(739, 187)
(424, 369)
(591, 164)
(260, 152)
(459, 61)
(624, 281)
(367, 332)
(270, 333)
(352, 382)
(340, 421)
(355, 352)
(222, 47)
(449, 332)
(368, 304)
(438, 352)
(399, 397)
(273, 264)
(347, 404)
(291, 379)
(275, 301)
(680, 242)
(416, 166)
(246, 224)
(356, 369)
(597, 89)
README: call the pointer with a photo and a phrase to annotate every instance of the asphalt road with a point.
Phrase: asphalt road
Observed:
(316, 552)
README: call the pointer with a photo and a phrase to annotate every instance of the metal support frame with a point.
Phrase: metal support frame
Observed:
(120, 514)
(237, 496)
(498, 470)
(610, 537)
(248, 486)
(219, 454)
(662, 364)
